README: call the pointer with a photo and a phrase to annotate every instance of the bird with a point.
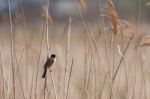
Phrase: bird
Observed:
(49, 63)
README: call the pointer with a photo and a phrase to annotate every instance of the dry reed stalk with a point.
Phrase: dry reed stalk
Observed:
(118, 83)
(88, 78)
(124, 66)
(46, 87)
(45, 84)
(91, 37)
(21, 17)
(95, 80)
(103, 85)
(58, 76)
(124, 63)
(85, 68)
(12, 48)
(39, 58)
(82, 5)
(118, 25)
(143, 84)
(143, 41)
(101, 23)
(45, 30)
(30, 92)
(89, 73)
(53, 84)
(18, 71)
(48, 92)
(137, 49)
(112, 15)
(69, 80)
(86, 64)
(101, 28)
(48, 18)
(113, 46)
(2, 70)
(92, 40)
(45, 14)
(67, 55)
(107, 56)
(123, 54)
(118, 67)
(47, 25)
(65, 30)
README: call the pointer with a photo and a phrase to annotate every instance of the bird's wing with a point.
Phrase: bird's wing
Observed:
(49, 62)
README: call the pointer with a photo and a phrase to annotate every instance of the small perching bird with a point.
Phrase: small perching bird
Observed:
(48, 64)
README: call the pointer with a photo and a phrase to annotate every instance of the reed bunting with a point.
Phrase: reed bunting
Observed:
(48, 64)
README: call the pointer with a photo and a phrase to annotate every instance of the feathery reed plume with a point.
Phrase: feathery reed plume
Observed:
(46, 15)
(147, 4)
(112, 15)
(82, 5)
(119, 25)
(144, 41)
(127, 28)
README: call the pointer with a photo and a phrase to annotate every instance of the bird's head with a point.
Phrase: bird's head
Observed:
(53, 55)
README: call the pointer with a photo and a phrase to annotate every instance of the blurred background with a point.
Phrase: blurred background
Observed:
(92, 42)
(60, 10)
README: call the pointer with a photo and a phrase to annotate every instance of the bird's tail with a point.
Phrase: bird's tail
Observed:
(44, 74)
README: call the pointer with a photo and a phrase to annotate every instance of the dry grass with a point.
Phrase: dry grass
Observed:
(92, 63)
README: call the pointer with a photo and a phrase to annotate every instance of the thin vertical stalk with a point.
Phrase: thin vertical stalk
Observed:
(89, 73)
(70, 74)
(85, 67)
(90, 35)
(39, 58)
(47, 25)
(30, 92)
(67, 55)
(18, 71)
(103, 85)
(48, 48)
(137, 50)
(45, 84)
(53, 84)
(88, 77)
(128, 44)
(12, 47)
(26, 43)
(2, 70)
(118, 67)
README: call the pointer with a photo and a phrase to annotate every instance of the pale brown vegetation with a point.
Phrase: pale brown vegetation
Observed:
(90, 65)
